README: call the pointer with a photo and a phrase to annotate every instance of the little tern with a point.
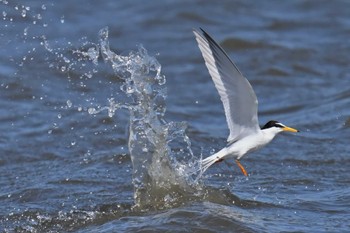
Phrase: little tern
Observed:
(240, 106)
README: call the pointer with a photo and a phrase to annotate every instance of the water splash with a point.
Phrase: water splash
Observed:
(164, 167)
(163, 163)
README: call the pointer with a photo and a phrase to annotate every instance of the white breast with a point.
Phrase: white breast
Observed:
(249, 144)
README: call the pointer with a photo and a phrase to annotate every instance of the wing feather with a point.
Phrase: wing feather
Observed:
(236, 93)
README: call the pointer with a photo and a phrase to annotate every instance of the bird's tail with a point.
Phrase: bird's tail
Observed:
(207, 162)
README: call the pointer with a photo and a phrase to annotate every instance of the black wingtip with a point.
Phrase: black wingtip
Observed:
(200, 31)
(204, 32)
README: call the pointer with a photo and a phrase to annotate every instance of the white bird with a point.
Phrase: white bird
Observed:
(240, 105)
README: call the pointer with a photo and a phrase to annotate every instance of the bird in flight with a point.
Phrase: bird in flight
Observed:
(240, 106)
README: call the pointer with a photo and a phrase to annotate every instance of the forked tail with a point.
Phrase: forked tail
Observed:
(207, 162)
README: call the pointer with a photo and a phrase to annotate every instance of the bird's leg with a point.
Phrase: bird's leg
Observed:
(241, 167)
(238, 163)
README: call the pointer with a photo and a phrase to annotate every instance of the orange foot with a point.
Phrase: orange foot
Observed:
(242, 168)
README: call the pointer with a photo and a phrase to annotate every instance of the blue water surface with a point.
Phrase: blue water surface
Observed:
(64, 158)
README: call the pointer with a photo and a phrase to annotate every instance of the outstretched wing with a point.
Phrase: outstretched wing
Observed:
(237, 95)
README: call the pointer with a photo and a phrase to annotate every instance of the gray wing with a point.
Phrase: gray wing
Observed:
(237, 95)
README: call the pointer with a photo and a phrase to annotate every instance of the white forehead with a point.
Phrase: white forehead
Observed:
(282, 125)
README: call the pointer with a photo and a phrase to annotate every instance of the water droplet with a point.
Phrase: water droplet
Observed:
(69, 103)
(93, 54)
(88, 75)
(161, 79)
(25, 32)
(129, 89)
(24, 13)
(66, 60)
(92, 111)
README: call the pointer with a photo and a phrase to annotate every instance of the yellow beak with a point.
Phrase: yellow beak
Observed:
(289, 129)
